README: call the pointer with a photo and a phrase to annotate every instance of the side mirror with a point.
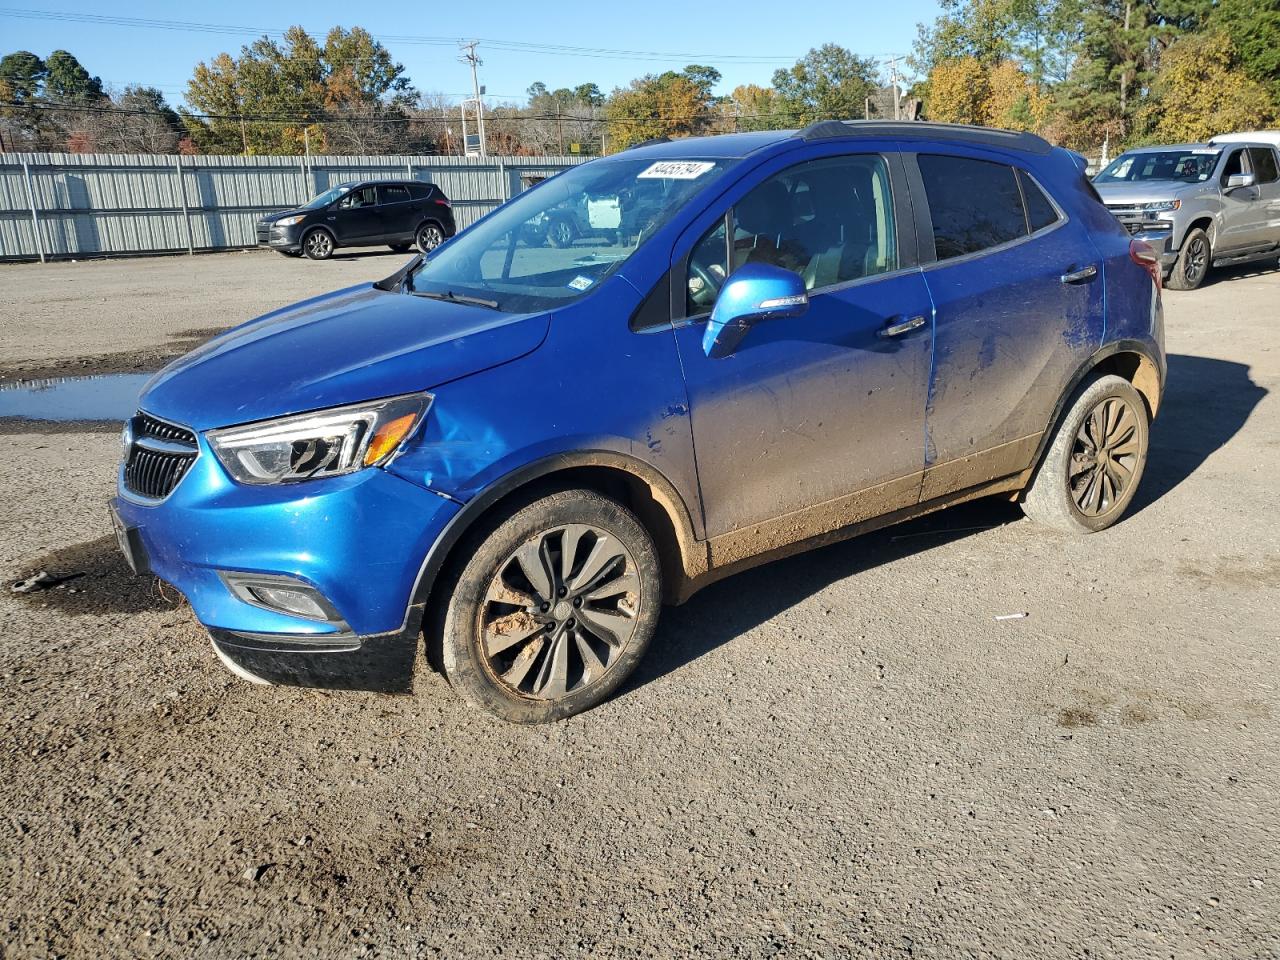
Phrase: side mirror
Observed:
(756, 292)
(1238, 180)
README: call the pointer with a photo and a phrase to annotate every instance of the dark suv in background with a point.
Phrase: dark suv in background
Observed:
(399, 213)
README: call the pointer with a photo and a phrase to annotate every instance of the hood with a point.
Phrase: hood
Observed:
(357, 344)
(1147, 191)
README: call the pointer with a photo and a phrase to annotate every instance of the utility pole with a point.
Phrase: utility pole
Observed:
(893, 79)
(471, 57)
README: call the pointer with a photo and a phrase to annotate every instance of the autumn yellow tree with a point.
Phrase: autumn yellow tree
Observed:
(1200, 91)
(957, 91)
(965, 90)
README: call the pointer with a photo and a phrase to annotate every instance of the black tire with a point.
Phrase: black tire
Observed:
(318, 244)
(428, 236)
(546, 673)
(400, 247)
(1193, 263)
(1081, 485)
(561, 233)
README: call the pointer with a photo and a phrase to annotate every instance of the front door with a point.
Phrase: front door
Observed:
(825, 410)
(1244, 213)
(355, 216)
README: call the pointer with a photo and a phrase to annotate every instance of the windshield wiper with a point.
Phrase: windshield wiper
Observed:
(452, 297)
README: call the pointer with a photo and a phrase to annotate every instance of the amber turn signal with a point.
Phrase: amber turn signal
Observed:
(388, 438)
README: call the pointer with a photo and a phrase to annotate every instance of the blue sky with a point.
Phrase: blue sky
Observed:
(746, 41)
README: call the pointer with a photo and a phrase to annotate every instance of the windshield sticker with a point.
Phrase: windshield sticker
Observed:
(675, 170)
(580, 283)
(1202, 152)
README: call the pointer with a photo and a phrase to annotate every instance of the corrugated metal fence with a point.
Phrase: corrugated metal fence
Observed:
(99, 204)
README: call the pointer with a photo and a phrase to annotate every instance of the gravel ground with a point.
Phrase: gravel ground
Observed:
(840, 754)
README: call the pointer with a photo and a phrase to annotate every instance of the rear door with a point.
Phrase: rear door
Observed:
(355, 217)
(396, 208)
(1017, 293)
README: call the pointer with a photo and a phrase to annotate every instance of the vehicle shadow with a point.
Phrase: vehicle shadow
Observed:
(1241, 271)
(1206, 403)
(357, 253)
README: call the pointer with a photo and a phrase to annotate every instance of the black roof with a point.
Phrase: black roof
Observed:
(920, 130)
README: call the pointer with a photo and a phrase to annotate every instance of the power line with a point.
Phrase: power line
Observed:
(510, 46)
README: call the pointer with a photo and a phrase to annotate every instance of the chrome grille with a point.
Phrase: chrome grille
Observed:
(159, 456)
(264, 232)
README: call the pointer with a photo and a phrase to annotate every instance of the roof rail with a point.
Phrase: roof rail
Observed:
(649, 143)
(915, 129)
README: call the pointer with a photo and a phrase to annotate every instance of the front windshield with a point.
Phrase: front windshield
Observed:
(325, 198)
(1187, 165)
(555, 242)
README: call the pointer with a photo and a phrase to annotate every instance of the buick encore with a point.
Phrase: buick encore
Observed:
(509, 455)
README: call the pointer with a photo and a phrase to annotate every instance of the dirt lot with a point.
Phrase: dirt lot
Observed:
(839, 754)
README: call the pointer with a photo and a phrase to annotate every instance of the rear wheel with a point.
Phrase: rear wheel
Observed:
(1194, 260)
(318, 245)
(429, 236)
(553, 610)
(1093, 465)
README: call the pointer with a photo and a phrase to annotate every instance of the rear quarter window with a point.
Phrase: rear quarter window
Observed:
(1041, 212)
(974, 204)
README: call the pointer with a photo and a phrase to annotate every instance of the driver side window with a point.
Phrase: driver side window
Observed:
(364, 197)
(830, 221)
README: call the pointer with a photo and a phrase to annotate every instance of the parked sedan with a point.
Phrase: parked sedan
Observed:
(399, 213)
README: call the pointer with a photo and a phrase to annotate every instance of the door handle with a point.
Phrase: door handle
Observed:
(1081, 276)
(897, 328)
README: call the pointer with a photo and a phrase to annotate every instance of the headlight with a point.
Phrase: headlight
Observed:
(1159, 205)
(290, 221)
(325, 443)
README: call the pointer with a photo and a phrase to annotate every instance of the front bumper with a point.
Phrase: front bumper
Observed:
(359, 540)
(279, 238)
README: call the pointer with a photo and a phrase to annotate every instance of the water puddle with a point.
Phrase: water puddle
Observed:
(108, 397)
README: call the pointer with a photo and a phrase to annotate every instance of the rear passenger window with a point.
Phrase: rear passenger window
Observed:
(975, 204)
(1263, 160)
(393, 194)
(1040, 212)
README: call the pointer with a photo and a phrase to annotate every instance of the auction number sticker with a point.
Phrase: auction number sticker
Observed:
(580, 283)
(675, 170)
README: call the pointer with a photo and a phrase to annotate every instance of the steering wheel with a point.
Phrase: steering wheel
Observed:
(710, 282)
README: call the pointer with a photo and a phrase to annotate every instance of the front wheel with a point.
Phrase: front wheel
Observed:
(318, 245)
(1194, 260)
(553, 610)
(1093, 465)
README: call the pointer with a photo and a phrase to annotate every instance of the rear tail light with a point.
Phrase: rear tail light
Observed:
(443, 202)
(1145, 256)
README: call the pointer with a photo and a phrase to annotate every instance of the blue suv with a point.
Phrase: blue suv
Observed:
(510, 454)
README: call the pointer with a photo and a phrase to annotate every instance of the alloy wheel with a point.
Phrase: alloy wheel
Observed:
(560, 612)
(430, 237)
(1197, 260)
(319, 245)
(1104, 457)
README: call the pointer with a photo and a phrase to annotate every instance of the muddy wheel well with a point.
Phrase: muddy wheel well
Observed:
(678, 551)
(1139, 371)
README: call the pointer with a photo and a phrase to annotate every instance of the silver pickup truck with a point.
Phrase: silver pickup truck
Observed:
(1200, 205)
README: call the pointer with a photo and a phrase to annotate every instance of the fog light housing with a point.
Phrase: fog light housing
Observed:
(282, 594)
